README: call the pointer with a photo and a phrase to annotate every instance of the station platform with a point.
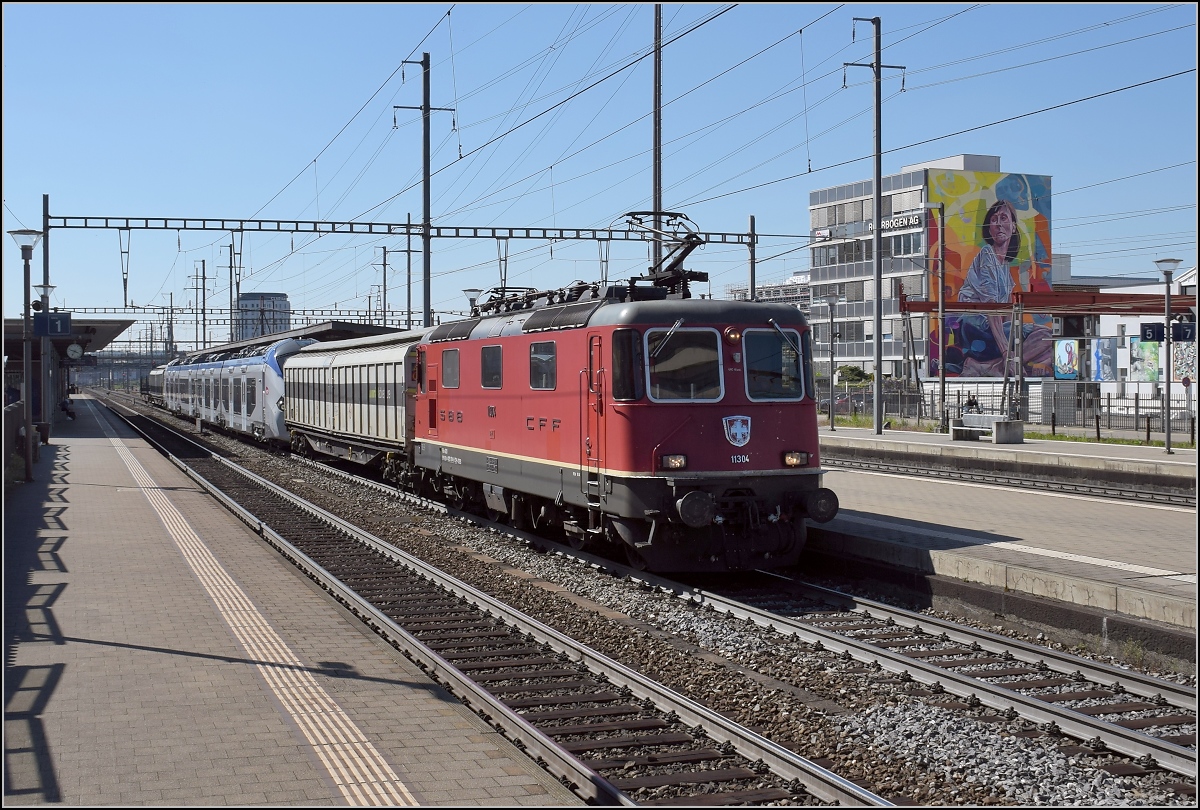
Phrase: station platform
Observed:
(157, 652)
(1125, 571)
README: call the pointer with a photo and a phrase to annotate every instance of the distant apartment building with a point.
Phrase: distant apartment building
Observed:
(793, 290)
(261, 314)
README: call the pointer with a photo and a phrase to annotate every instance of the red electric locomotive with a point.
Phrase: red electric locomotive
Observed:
(682, 431)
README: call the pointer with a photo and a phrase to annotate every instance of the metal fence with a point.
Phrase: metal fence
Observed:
(1052, 404)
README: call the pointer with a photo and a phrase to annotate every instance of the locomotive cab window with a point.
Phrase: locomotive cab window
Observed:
(543, 366)
(683, 364)
(774, 370)
(491, 367)
(628, 368)
(450, 368)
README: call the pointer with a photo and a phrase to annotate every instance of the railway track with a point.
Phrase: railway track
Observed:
(1132, 724)
(938, 662)
(609, 733)
(1103, 707)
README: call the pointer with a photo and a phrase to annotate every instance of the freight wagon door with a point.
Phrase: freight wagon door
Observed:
(593, 407)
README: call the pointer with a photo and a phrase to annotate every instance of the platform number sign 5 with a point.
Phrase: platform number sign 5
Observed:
(1153, 332)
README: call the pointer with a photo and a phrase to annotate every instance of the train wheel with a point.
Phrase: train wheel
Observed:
(576, 540)
(634, 558)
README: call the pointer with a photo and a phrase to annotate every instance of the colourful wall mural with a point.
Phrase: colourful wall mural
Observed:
(1183, 360)
(1066, 359)
(1143, 361)
(1104, 359)
(997, 234)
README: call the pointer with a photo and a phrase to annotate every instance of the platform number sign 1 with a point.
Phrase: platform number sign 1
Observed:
(51, 324)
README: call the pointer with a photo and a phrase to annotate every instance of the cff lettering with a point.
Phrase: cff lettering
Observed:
(541, 423)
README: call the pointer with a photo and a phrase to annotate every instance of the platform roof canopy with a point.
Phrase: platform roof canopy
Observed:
(92, 334)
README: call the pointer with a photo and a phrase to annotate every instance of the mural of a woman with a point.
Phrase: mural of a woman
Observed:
(989, 280)
(983, 339)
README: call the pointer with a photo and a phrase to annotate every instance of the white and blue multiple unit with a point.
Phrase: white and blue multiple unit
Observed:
(240, 389)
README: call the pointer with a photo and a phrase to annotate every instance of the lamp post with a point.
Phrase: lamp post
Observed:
(1167, 267)
(26, 240)
(941, 301)
(43, 292)
(472, 294)
(831, 300)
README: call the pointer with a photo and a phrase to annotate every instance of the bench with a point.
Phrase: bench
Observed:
(970, 426)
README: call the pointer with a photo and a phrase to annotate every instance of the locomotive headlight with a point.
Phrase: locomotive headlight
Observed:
(795, 458)
(733, 335)
(676, 461)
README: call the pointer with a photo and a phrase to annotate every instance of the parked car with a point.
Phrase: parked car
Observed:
(841, 404)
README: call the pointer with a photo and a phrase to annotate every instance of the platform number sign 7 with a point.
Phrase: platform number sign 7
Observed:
(1183, 332)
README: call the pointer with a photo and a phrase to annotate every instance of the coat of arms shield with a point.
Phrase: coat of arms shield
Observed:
(737, 430)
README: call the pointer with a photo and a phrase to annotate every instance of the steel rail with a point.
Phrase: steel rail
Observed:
(1133, 682)
(562, 765)
(821, 782)
(1174, 757)
(817, 780)
(1178, 758)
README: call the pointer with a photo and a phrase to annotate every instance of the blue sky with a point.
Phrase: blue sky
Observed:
(282, 112)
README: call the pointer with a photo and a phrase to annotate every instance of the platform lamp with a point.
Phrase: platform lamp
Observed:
(1167, 267)
(831, 299)
(26, 240)
(472, 294)
(941, 297)
(47, 406)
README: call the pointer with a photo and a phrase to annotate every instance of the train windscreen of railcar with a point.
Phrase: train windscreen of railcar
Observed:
(684, 364)
(773, 369)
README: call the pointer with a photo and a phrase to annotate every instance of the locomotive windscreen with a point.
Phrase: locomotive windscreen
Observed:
(773, 369)
(684, 364)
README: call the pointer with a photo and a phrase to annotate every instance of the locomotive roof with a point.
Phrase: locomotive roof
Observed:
(698, 311)
(614, 312)
(594, 312)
